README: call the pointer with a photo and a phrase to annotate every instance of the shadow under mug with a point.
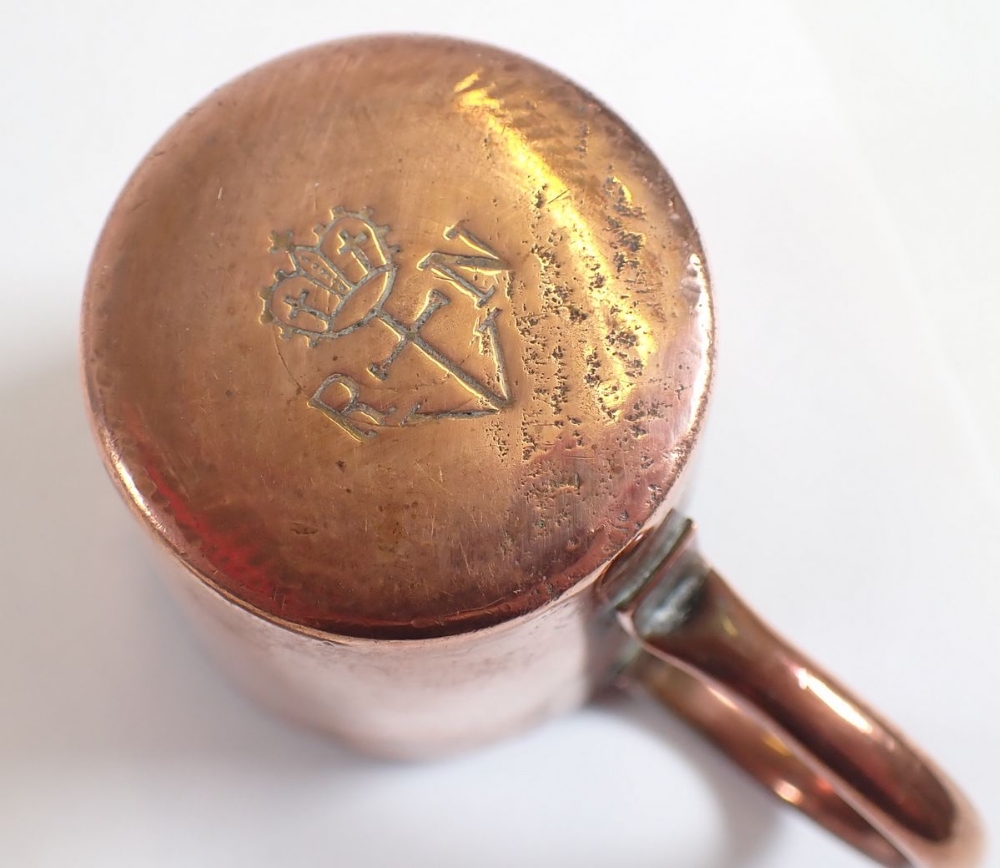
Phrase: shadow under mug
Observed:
(400, 347)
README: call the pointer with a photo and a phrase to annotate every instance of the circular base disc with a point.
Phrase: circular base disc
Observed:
(398, 337)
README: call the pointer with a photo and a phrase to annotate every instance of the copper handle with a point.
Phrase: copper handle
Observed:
(796, 729)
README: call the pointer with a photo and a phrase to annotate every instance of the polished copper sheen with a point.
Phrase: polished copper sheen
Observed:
(400, 348)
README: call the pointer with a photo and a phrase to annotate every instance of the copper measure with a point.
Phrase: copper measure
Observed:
(400, 347)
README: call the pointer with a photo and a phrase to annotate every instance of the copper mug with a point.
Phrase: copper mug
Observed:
(400, 347)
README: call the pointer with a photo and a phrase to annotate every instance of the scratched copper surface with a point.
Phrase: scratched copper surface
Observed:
(398, 337)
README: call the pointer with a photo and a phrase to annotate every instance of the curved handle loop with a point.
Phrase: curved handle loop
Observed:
(707, 656)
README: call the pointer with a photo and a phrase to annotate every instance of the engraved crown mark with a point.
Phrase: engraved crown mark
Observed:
(337, 284)
(342, 282)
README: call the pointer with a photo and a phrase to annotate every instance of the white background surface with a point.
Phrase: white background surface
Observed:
(841, 160)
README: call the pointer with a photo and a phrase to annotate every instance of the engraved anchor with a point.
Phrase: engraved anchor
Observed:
(342, 282)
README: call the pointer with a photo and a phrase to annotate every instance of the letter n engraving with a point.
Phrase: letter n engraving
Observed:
(460, 268)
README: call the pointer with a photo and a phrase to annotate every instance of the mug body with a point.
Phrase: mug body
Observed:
(413, 698)
(394, 345)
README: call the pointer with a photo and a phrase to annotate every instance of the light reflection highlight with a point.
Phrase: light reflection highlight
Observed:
(832, 700)
(473, 97)
(788, 792)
